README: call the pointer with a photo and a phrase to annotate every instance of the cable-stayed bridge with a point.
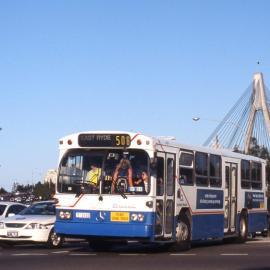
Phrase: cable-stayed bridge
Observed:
(247, 124)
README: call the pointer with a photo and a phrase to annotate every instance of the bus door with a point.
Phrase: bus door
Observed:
(230, 195)
(165, 186)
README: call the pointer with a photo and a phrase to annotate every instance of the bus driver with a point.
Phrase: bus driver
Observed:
(93, 176)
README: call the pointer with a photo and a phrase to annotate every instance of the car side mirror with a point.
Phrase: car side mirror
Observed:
(11, 215)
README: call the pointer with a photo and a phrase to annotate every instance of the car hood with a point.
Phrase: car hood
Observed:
(43, 219)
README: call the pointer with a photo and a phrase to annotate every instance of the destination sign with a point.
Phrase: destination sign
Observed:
(104, 140)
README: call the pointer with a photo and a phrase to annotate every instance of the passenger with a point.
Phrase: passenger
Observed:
(123, 170)
(143, 181)
(93, 175)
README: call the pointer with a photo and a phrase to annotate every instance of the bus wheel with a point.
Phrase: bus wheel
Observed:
(183, 234)
(243, 228)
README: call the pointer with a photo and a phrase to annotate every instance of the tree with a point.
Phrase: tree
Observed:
(43, 191)
(3, 191)
(257, 150)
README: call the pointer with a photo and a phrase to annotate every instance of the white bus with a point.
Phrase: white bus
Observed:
(191, 193)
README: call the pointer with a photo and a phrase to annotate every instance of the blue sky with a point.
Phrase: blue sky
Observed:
(148, 66)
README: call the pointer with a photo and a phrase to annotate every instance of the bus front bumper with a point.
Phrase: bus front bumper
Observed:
(104, 230)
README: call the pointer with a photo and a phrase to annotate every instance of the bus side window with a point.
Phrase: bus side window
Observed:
(215, 171)
(256, 175)
(201, 168)
(186, 162)
(245, 174)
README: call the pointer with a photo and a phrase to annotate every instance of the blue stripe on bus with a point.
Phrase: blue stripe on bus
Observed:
(99, 224)
(104, 229)
(207, 226)
(257, 222)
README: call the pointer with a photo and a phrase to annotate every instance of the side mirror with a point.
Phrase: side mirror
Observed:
(11, 215)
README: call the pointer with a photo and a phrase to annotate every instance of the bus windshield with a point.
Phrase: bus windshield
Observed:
(104, 172)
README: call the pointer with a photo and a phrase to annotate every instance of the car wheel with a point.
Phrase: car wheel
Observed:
(54, 240)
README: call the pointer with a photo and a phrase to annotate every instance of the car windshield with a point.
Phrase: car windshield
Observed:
(104, 172)
(2, 209)
(39, 209)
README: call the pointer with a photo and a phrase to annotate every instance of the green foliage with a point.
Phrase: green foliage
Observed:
(3, 191)
(44, 191)
(257, 150)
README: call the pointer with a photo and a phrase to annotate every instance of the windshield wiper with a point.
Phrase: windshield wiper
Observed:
(121, 193)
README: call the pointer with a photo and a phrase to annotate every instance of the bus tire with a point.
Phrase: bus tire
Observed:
(183, 234)
(243, 228)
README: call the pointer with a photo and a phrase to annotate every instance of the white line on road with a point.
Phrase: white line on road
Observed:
(83, 254)
(132, 254)
(182, 254)
(234, 254)
(59, 252)
(29, 254)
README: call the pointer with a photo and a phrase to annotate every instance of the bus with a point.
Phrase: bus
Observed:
(190, 193)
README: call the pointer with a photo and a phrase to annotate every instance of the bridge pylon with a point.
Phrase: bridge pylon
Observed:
(246, 122)
(259, 103)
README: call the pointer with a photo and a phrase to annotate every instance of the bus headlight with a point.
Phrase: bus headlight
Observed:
(64, 214)
(141, 217)
(137, 217)
(134, 217)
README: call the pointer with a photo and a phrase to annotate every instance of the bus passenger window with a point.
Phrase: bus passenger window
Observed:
(186, 176)
(256, 175)
(215, 171)
(201, 169)
(186, 162)
(245, 174)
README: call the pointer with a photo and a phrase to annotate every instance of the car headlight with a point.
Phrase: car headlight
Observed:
(2, 225)
(33, 226)
(64, 214)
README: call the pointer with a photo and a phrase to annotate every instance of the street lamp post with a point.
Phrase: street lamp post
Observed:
(215, 135)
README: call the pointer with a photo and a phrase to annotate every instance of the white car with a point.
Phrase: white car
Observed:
(33, 224)
(8, 209)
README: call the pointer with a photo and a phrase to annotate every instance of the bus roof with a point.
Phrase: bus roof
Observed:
(165, 141)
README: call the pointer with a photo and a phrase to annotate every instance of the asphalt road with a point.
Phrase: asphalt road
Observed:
(253, 255)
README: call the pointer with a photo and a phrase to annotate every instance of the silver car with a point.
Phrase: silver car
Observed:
(33, 224)
(8, 209)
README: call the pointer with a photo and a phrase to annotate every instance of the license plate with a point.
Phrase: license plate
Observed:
(120, 216)
(12, 234)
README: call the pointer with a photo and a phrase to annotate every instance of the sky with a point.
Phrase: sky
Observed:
(137, 65)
